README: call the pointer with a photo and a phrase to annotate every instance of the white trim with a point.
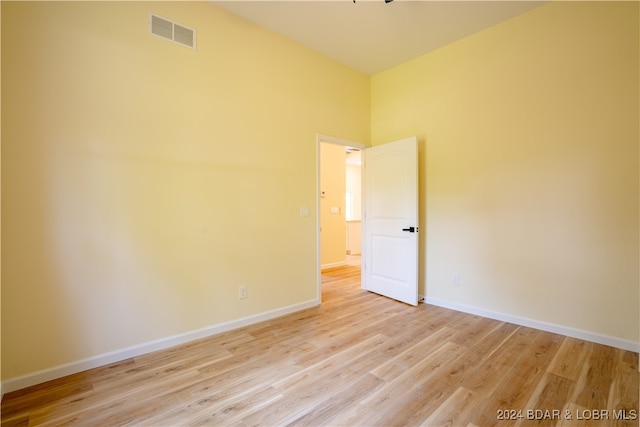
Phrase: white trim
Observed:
(537, 324)
(333, 264)
(339, 141)
(44, 375)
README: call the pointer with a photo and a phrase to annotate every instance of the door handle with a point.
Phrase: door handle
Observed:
(410, 229)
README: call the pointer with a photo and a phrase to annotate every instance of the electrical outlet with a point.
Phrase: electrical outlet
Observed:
(456, 279)
(242, 292)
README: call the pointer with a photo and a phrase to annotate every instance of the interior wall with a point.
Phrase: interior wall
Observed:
(332, 202)
(531, 134)
(140, 178)
(354, 188)
(354, 183)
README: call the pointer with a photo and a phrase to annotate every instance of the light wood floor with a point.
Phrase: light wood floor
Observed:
(358, 359)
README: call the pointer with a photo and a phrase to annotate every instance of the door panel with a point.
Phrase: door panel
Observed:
(391, 220)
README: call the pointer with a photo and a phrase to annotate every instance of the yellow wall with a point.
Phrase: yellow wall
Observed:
(354, 190)
(143, 182)
(531, 134)
(333, 177)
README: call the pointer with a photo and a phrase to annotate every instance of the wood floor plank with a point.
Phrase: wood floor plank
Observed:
(335, 404)
(453, 411)
(409, 393)
(597, 376)
(517, 375)
(357, 359)
(215, 413)
(116, 409)
(548, 401)
(494, 340)
(474, 332)
(335, 363)
(399, 364)
(433, 391)
(313, 385)
(135, 378)
(624, 390)
(569, 359)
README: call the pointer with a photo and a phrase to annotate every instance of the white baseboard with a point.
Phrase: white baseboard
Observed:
(38, 377)
(536, 324)
(333, 264)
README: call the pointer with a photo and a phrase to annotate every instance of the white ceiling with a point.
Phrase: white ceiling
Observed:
(370, 35)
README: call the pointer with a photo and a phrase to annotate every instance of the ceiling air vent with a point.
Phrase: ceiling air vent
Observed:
(173, 31)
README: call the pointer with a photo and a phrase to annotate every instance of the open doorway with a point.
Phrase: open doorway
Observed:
(339, 208)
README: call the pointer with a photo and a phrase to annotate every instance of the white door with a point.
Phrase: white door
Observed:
(390, 265)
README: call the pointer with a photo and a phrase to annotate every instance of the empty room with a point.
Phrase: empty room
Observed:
(161, 213)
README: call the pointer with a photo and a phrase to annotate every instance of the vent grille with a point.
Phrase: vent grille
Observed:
(172, 31)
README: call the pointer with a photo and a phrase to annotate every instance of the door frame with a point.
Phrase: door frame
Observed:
(320, 138)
